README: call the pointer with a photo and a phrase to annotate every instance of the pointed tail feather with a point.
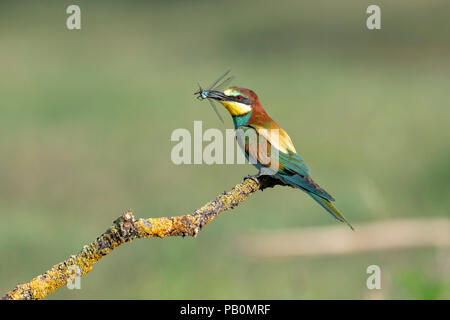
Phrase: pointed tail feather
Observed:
(327, 205)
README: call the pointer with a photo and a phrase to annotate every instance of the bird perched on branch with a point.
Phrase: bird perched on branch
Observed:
(263, 136)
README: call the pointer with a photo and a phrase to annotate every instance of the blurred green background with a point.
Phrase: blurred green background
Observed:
(86, 118)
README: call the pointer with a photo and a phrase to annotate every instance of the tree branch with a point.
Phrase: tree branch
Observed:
(126, 229)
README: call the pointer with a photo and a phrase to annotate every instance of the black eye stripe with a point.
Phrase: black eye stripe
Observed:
(242, 99)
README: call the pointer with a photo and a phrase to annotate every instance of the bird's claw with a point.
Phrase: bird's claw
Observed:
(253, 177)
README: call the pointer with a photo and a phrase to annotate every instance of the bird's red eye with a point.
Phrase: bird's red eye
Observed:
(239, 98)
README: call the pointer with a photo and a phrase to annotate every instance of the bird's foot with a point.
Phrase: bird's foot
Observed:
(254, 177)
(264, 180)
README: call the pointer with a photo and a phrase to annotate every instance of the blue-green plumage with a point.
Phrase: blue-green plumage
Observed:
(242, 120)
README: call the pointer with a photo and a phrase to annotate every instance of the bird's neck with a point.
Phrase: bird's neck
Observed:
(241, 120)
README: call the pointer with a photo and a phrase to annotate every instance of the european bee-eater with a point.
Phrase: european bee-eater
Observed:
(248, 114)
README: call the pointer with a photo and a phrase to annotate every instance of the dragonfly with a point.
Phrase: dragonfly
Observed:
(202, 94)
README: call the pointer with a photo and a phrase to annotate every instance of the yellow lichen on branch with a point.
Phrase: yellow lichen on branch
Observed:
(126, 229)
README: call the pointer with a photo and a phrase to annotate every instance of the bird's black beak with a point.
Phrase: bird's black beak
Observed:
(216, 95)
